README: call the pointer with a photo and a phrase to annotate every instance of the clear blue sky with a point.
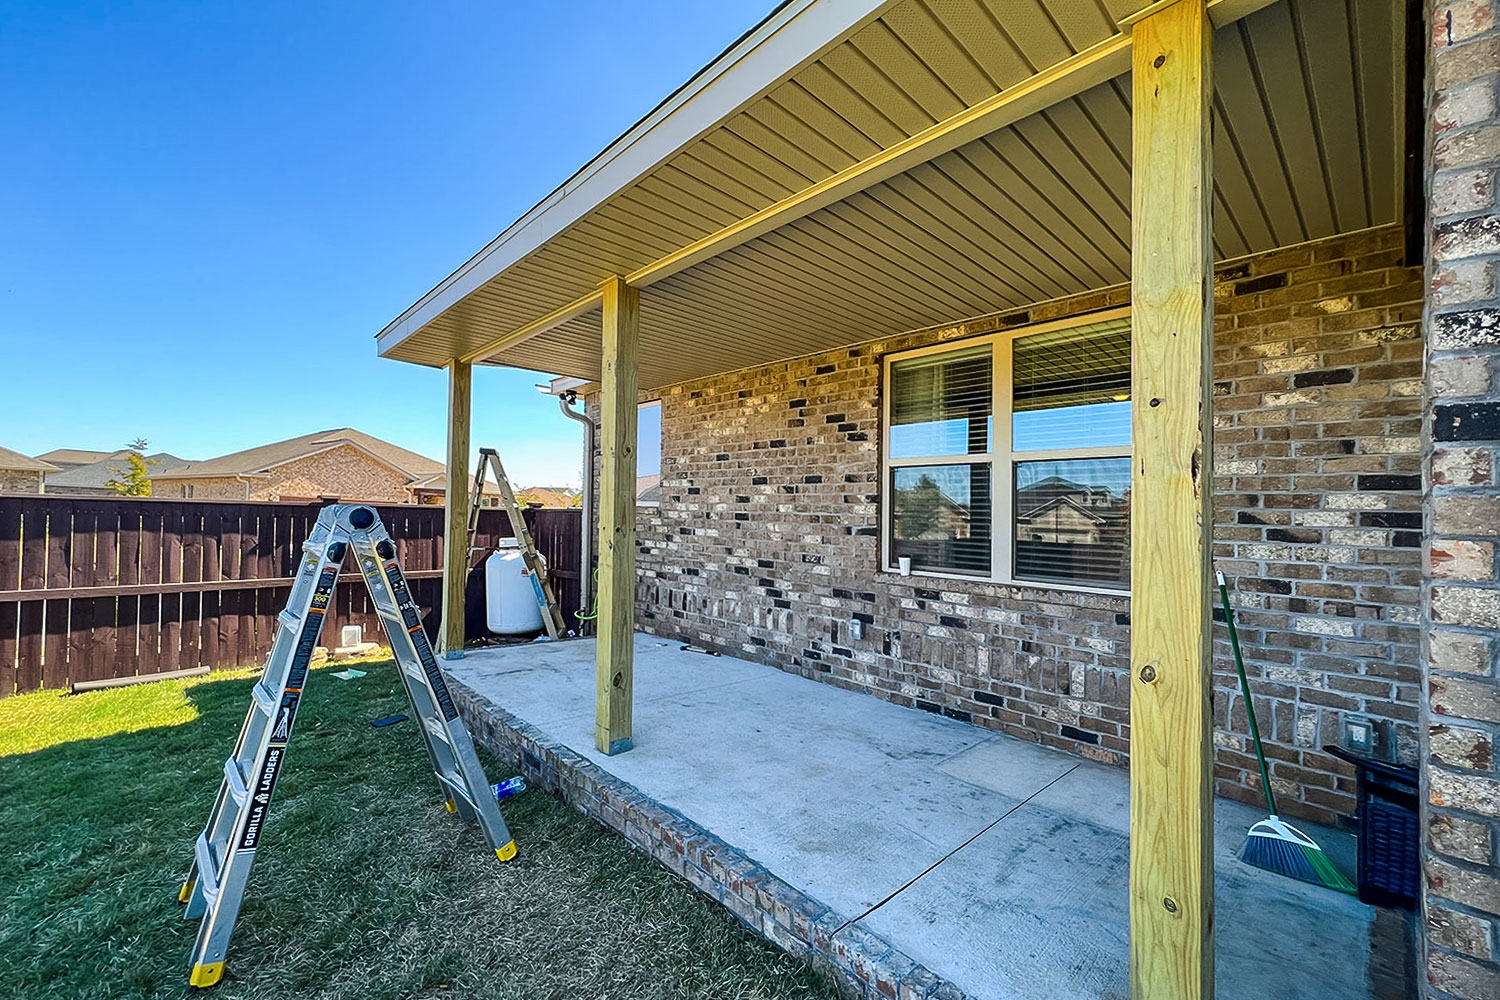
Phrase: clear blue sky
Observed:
(208, 209)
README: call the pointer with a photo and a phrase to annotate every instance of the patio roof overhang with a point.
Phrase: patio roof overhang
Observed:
(851, 170)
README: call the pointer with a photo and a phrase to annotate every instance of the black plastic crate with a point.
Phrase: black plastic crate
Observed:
(1389, 868)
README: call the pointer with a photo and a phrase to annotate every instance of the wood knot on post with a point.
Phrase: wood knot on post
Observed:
(1159, 61)
(618, 680)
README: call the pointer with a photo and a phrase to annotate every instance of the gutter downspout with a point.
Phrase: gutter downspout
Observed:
(586, 543)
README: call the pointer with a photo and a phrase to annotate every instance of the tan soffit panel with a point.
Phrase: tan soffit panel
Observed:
(1307, 144)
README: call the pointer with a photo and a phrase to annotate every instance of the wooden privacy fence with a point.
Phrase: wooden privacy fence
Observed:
(98, 588)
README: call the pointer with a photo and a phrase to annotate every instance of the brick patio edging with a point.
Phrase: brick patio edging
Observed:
(862, 964)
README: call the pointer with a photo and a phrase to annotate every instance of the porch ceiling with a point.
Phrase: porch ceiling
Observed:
(1307, 144)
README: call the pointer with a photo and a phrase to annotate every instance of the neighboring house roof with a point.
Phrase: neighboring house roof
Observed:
(23, 463)
(64, 457)
(1059, 501)
(96, 475)
(547, 496)
(260, 460)
(439, 484)
(648, 488)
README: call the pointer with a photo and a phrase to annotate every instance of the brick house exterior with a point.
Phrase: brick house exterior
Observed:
(342, 463)
(343, 471)
(22, 474)
(1461, 588)
(20, 481)
(766, 541)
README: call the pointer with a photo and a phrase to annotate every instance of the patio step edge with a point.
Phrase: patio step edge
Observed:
(862, 964)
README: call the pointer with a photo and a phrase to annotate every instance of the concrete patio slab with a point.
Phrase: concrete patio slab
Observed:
(999, 865)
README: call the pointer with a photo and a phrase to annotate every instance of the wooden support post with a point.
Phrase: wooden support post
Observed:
(619, 391)
(1171, 728)
(456, 511)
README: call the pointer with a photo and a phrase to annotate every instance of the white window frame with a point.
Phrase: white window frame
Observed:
(1000, 458)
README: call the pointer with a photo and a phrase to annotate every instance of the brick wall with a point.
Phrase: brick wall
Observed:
(1462, 607)
(344, 471)
(766, 541)
(204, 488)
(20, 481)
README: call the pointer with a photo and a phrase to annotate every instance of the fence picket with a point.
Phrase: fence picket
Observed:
(98, 587)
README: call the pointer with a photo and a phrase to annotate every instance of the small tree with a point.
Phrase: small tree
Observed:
(134, 480)
(919, 507)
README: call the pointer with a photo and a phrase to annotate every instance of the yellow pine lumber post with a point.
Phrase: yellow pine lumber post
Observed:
(619, 390)
(1171, 767)
(456, 510)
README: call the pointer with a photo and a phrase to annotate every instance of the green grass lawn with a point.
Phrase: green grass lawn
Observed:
(364, 887)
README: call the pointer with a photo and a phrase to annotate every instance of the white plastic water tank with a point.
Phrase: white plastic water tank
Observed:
(509, 593)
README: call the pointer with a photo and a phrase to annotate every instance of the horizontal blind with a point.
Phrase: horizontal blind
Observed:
(1072, 388)
(941, 404)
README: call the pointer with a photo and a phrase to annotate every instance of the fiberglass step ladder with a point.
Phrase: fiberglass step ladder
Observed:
(536, 566)
(225, 850)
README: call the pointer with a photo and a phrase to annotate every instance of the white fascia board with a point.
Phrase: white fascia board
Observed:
(791, 38)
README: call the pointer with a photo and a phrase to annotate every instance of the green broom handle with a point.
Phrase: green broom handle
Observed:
(1239, 666)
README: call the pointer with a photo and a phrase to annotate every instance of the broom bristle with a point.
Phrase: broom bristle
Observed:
(1294, 860)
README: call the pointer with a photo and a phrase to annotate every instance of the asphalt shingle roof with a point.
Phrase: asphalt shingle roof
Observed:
(254, 461)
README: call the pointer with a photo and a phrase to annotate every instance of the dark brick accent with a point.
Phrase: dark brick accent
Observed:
(1387, 484)
(1466, 422)
(1328, 376)
(1265, 283)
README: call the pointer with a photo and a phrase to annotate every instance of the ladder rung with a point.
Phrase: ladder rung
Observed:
(438, 730)
(265, 698)
(287, 619)
(208, 871)
(235, 779)
(456, 788)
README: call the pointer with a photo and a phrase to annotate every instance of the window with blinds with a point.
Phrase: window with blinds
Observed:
(1027, 430)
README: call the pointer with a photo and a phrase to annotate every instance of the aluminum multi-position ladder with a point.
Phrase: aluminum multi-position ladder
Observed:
(536, 566)
(225, 850)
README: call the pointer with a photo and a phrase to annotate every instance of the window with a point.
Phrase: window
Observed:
(648, 454)
(1008, 458)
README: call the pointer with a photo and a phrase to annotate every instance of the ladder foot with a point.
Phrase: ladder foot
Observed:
(186, 892)
(507, 852)
(452, 806)
(206, 975)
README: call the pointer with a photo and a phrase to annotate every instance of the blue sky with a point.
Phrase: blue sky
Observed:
(207, 210)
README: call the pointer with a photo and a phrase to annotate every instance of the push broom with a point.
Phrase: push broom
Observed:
(1273, 844)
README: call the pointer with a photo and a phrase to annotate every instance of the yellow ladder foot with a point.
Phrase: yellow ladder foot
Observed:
(206, 975)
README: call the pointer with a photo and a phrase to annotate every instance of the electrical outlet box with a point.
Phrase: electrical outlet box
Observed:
(856, 629)
(1359, 735)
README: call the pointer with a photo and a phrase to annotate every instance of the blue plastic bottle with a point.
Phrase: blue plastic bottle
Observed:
(509, 787)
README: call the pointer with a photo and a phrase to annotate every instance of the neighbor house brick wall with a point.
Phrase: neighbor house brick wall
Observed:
(20, 481)
(344, 471)
(205, 488)
(766, 540)
(1462, 589)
